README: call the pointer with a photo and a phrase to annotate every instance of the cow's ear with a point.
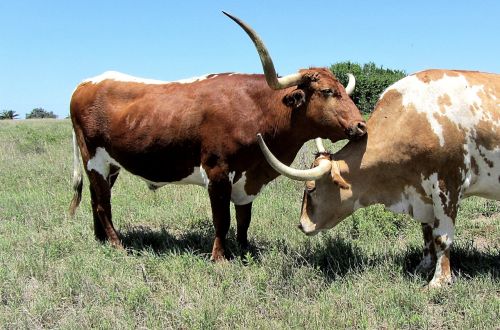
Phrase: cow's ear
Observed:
(337, 177)
(295, 99)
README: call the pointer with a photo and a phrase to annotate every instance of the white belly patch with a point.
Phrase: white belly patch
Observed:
(238, 194)
(102, 160)
(411, 203)
(199, 177)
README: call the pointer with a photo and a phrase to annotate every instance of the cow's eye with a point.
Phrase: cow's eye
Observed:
(330, 92)
(327, 92)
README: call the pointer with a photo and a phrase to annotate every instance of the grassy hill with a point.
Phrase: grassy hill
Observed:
(53, 274)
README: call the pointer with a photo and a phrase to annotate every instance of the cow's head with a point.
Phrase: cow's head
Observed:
(327, 196)
(323, 103)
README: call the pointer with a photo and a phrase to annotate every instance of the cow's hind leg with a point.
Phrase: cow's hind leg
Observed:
(429, 259)
(99, 231)
(100, 190)
(442, 238)
(113, 175)
(220, 196)
(102, 175)
(243, 217)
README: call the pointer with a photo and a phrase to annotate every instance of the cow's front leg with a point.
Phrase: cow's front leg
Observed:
(220, 196)
(243, 217)
(442, 235)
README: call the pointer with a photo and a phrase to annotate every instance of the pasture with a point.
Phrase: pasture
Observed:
(53, 274)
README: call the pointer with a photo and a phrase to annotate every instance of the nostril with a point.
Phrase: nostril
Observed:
(300, 227)
(356, 131)
(361, 128)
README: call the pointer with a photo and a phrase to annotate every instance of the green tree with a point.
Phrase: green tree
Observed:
(371, 81)
(8, 114)
(40, 113)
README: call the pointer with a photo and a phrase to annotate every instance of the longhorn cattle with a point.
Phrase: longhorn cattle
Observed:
(202, 131)
(433, 139)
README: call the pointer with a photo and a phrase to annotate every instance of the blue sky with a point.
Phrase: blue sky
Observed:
(48, 47)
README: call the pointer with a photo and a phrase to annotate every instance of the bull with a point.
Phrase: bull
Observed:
(202, 131)
(433, 139)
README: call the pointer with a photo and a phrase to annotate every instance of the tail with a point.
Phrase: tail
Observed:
(77, 178)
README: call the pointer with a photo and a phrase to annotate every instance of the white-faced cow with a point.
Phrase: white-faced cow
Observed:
(202, 131)
(433, 139)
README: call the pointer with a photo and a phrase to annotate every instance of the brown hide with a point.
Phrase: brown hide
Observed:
(161, 132)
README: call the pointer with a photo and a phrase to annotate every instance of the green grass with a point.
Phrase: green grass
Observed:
(53, 274)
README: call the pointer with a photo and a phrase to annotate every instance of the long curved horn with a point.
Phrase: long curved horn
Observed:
(319, 144)
(300, 175)
(267, 63)
(351, 84)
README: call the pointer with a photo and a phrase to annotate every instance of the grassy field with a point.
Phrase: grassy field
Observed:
(53, 274)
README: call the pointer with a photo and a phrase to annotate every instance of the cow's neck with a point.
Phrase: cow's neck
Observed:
(289, 128)
(366, 167)
(354, 161)
(285, 145)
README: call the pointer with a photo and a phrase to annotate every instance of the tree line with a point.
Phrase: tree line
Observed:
(34, 114)
(371, 80)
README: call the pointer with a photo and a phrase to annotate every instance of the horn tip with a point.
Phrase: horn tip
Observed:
(228, 14)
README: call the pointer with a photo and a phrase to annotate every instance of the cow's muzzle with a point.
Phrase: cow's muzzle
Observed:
(356, 131)
(307, 233)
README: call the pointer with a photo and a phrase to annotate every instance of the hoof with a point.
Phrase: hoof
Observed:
(218, 256)
(441, 282)
(117, 244)
(244, 246)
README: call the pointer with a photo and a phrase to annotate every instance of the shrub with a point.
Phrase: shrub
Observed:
(8, 114)
(371, 81)
(40, 113)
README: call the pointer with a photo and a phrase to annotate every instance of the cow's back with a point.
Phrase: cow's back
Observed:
(444, 122)
(162, 131)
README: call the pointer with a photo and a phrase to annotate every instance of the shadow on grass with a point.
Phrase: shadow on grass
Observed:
(338, 257)
(197, 241)
(334, 256)
(161, 241)
(466, 261)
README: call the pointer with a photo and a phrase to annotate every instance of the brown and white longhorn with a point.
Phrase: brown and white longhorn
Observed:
(433, 139)
(202, 131)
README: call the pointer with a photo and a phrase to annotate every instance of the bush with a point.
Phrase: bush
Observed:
(8, 114)
(371, 81)
(40, 113)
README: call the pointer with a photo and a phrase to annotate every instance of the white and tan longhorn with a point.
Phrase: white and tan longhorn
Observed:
(433, 139)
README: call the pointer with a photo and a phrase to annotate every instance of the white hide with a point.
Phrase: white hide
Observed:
(118, 76)
(238, 193)
(466, 111)
(425, 97)
(101, 162)
(412, 203)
